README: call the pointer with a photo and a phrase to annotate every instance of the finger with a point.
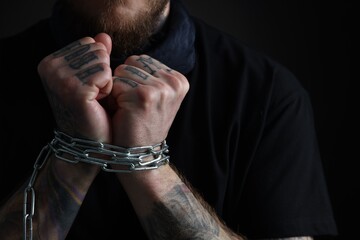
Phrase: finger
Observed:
(122, 92)
(90, 67)
(155, 68)
(90, 53)
(80, 51)
(134, 73)
(124, 82)
(74, 46)
(90, 74)
(104, 39)
(88, 59)
(148, 64)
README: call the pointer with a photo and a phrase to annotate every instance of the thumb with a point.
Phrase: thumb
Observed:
(104, 39)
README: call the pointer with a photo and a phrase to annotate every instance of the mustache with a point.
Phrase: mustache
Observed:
(130, 33)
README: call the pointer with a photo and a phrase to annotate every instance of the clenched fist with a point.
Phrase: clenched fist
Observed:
(134, 107)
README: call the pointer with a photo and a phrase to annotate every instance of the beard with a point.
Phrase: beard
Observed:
(129, 31)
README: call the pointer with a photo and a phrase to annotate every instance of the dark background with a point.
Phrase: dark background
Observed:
(315, 40)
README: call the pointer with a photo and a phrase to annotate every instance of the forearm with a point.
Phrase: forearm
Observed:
(60, 188)
(168, 208)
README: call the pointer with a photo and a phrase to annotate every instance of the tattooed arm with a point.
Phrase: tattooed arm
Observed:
(75, 79)
(149, 95)
(169, 209)
(59, 191)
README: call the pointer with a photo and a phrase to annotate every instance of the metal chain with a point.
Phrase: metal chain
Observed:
(29, 193)
(74, 150)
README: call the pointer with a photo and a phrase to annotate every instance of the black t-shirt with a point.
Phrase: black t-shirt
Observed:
(244, 137)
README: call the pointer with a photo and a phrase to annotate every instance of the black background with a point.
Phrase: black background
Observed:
(315, 40)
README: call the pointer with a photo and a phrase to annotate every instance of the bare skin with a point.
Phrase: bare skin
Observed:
(145, 96)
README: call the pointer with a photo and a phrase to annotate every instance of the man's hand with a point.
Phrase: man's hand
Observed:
(148, 95)
(75, 78)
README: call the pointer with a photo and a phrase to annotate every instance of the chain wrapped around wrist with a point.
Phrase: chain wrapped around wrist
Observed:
(131, 159)
(109, 157)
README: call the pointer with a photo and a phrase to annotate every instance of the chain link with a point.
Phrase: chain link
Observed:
(29, 193)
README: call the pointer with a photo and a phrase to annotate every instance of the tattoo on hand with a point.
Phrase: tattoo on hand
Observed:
(137, 72)
(85, 59)
(127, 81)
(83, 75)
(80, 51)
(66, 49)
(146, 62)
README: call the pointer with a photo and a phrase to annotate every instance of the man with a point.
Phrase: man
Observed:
(123, 82)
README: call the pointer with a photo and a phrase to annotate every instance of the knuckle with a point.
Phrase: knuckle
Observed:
(120, 69)
(86, 40)
(105, 68)
(131, 59)
(147, 96)
(179, 82)
(102, 55)
(143, 56)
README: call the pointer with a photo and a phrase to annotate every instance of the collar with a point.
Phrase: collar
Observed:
(173, 45)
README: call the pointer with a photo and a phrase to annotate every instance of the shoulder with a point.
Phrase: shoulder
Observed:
(248, 68)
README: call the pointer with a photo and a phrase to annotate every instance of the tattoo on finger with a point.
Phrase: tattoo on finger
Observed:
(83, 75)
(66, 49)
(84, 59)
(126, 81)
(136, 72)
(146, 62)
(80, 51)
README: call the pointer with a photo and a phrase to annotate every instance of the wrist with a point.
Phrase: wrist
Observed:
(74, 173)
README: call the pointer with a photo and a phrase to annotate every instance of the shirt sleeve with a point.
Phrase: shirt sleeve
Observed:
(285, 191)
